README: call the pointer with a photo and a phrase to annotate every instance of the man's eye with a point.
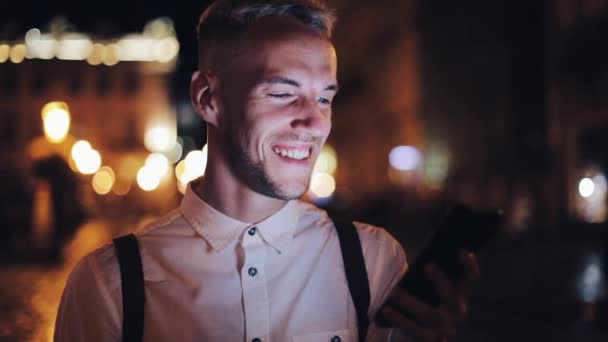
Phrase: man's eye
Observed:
(279, 95)
(324, 100)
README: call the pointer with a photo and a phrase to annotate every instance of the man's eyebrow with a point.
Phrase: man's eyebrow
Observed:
(333, 87)
(289, 81)
(282, 80)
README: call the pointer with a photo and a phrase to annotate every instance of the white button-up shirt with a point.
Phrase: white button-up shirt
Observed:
(209, 277)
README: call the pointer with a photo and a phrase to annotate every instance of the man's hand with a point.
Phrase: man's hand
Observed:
(435, 323)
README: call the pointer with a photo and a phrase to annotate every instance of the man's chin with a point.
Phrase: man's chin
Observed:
(291, 191)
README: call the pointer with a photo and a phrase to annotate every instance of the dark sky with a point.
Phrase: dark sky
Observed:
(123, 15)
(109, 18)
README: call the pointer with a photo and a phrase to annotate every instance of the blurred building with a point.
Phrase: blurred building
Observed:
(378, 107)
(117, 96)
(578, 93)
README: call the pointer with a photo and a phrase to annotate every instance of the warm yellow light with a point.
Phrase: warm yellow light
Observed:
(56, 121)
(180, 169)
(192, 167)
(166, 49)
(74, 46)
(160, 136)
(79, 149)
(89, 163)
(17, 54)
(159, 27)
(5, 51)
(322, 184)
(110, 56)
(180, 174)
(327, 161)
(175, 154)
(158, 162)
(97, 54)
(103, 180)
(196, 162)
(147, 178)
(181, 187)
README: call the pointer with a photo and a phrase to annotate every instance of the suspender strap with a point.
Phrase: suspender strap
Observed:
(356, 274)
(133, 295)
(132, 282)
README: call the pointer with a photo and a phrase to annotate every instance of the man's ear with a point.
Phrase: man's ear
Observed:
(203, 93)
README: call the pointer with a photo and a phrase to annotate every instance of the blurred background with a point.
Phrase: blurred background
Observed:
(493, 104)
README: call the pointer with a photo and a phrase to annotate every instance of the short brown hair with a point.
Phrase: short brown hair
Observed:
(225, 19)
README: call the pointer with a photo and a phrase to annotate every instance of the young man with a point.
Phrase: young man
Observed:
(242, 259)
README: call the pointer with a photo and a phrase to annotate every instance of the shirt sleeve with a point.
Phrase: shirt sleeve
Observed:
(386, 264)
(89, 309)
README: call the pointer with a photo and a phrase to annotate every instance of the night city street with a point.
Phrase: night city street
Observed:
(494, 107)
(32, 287)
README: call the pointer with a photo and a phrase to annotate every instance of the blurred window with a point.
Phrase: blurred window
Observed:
(75, 82)
(8, 80)
(104, 81)
(131, 83)
(8, 127)
(41, 79)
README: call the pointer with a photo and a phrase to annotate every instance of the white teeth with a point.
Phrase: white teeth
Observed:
(292, 154)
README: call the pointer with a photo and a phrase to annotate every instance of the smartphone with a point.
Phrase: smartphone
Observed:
(461, 228)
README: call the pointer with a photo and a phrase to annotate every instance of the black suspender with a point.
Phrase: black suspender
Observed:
(133, 295)
(356, 274)
(132, 282)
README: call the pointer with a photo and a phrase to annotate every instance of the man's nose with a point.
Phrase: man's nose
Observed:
(311, 117)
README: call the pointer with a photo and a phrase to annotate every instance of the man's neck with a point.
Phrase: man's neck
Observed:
(239, 203)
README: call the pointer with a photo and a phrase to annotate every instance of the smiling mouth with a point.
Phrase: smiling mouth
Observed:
(293, 153)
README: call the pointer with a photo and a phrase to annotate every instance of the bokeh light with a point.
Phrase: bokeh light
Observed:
(56, 121)
(591, 280)
(74, 46)
(158, 162)
(39, 45)
(110, 55)
(404, 158)
(17, 53)
(175, 154)
(327, 160)
(80, 148)
(322, 184)
(147, 178)
(586, 187)
(196, 161)
(5, 51)
(160, 136)
(32, 36)
(97, 54)
(89, 162)
(103, 180)
(165, 50)
(192, 167)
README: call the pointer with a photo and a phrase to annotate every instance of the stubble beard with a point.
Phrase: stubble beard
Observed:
(254, 174)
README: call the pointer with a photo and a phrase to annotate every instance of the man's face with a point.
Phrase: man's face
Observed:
(276, 100)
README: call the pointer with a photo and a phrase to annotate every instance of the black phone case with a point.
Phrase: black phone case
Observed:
(462, 228)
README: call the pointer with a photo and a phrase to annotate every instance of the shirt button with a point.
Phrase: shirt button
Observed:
(256, 340)
(252, 231)
(336, 338)
(252, 271)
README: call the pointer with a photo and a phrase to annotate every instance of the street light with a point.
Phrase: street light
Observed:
(56, 121)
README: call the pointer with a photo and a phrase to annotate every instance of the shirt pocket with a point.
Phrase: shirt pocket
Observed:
(347, 335)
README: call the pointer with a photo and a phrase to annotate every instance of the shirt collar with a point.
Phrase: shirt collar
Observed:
(220, 230)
